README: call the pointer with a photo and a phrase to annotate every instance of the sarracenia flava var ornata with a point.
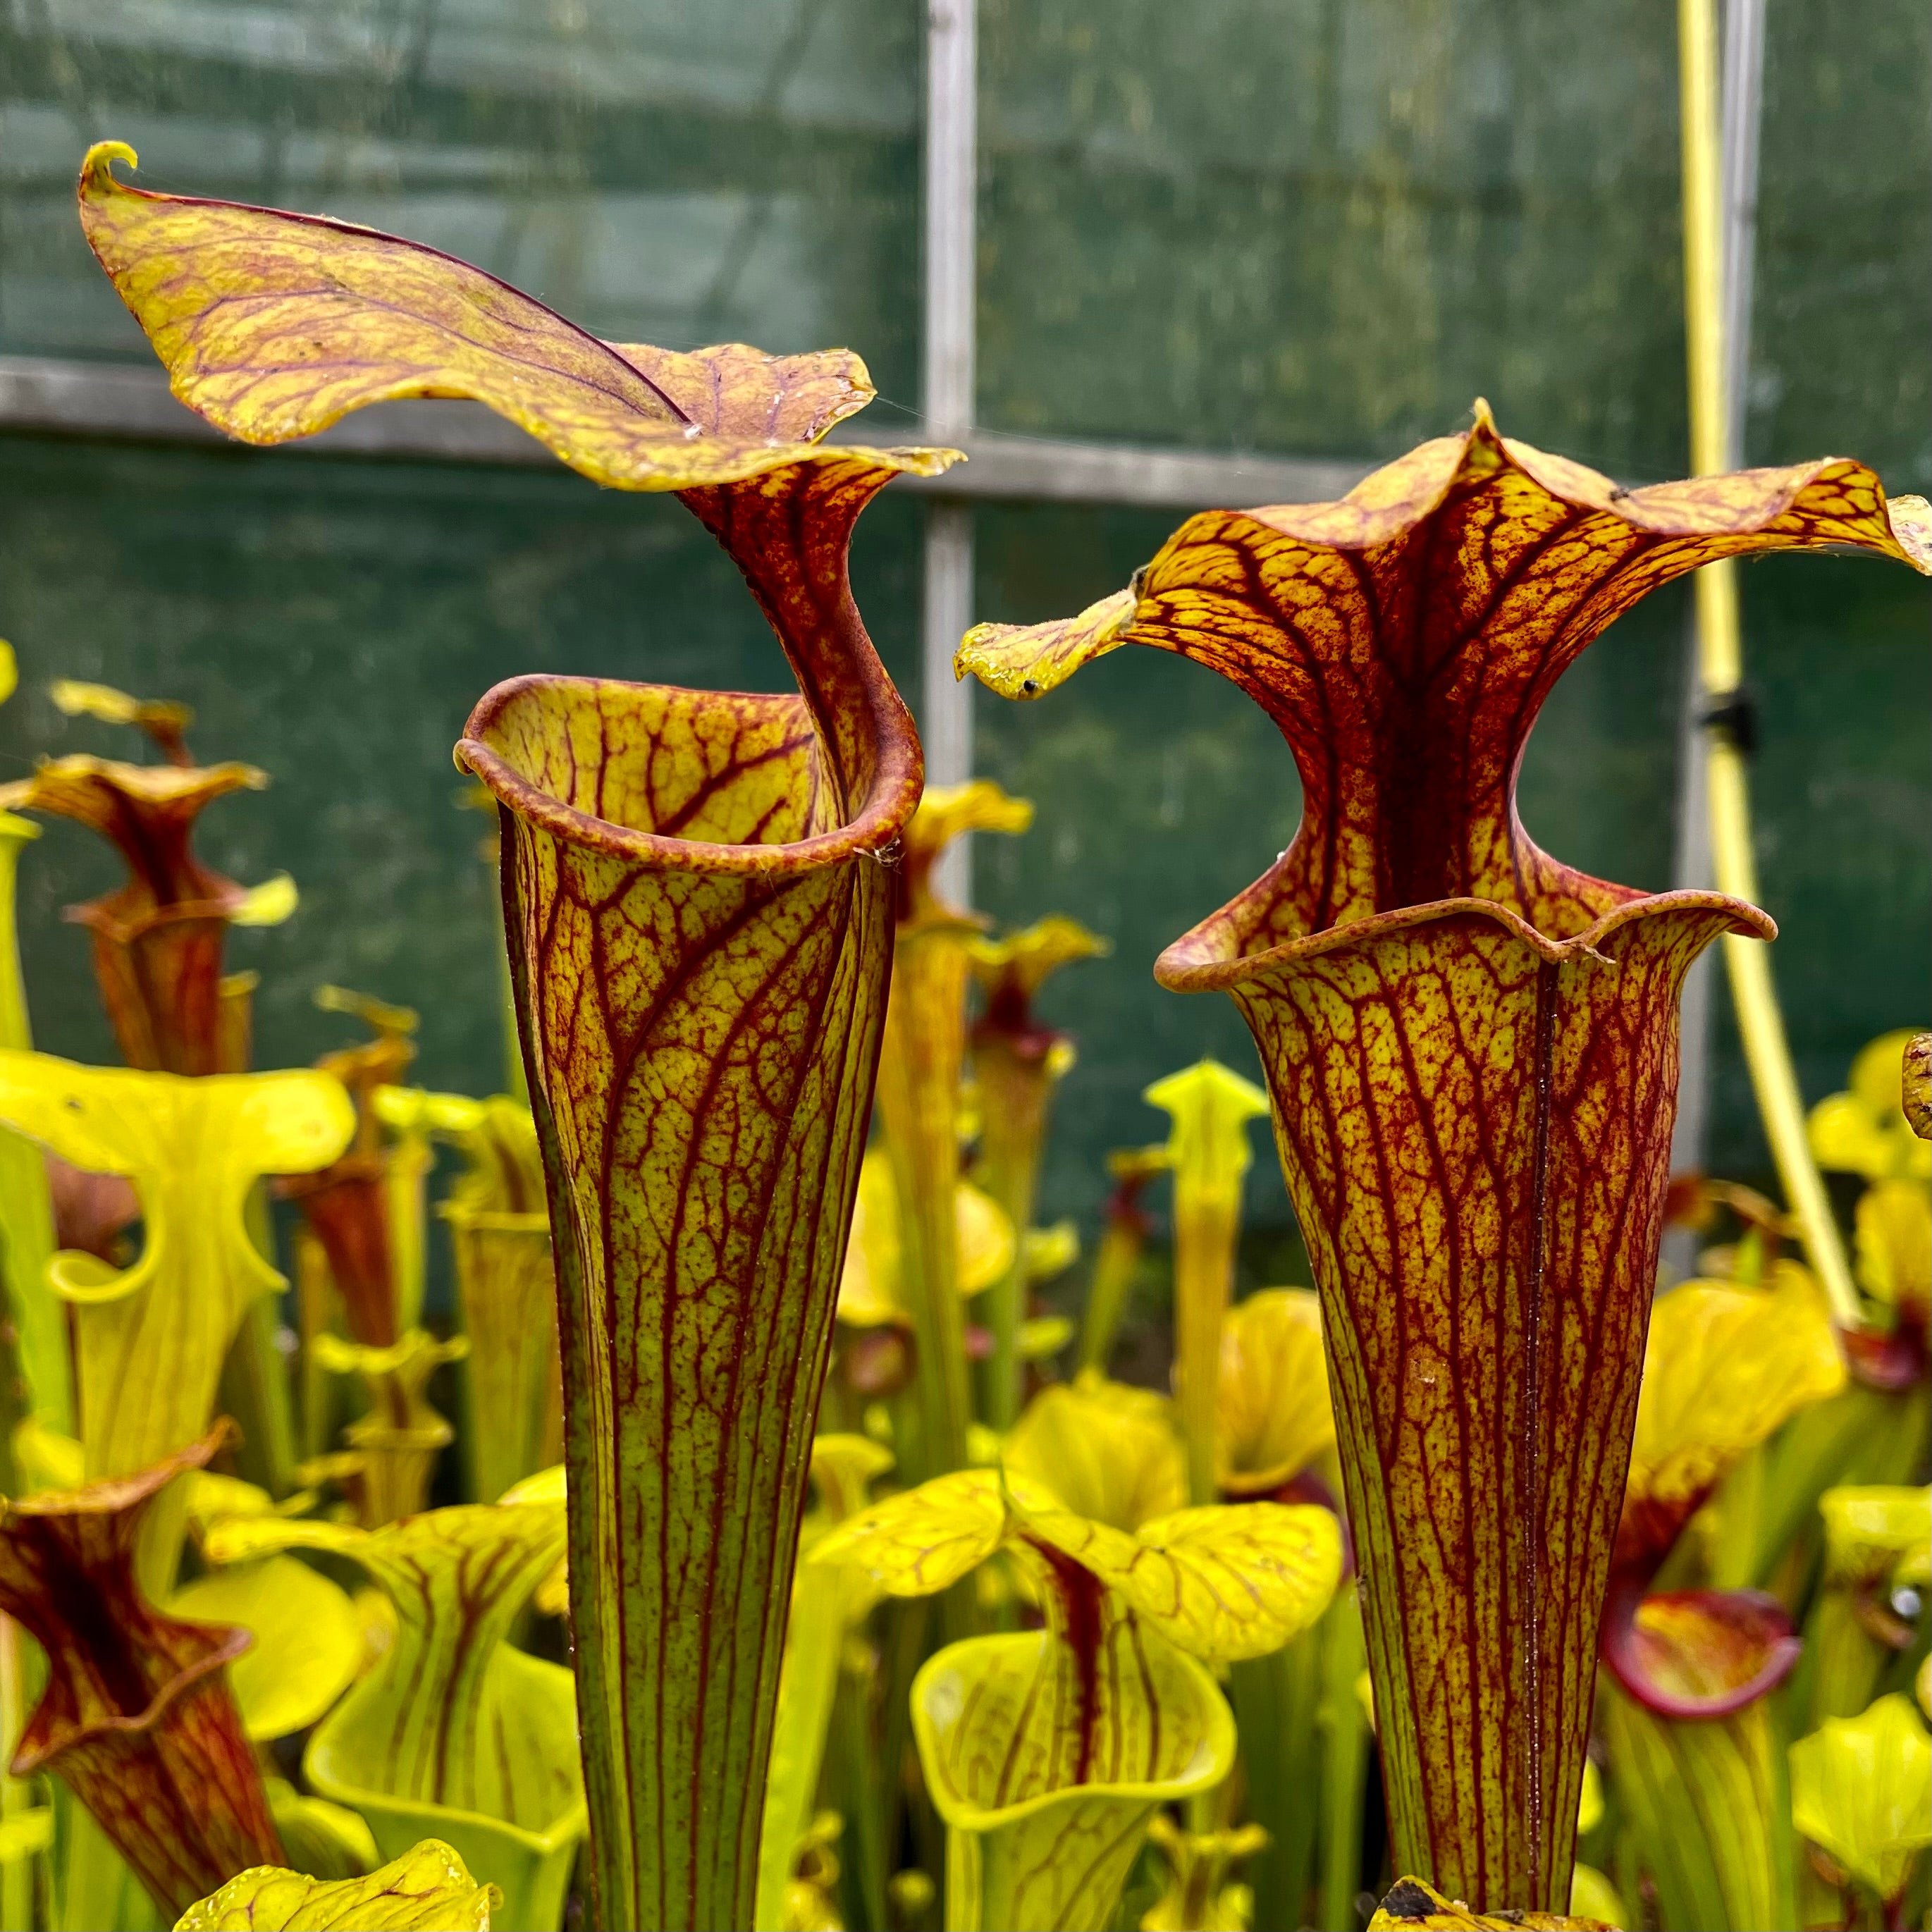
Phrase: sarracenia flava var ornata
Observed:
(699, 907)
(1472, 1053)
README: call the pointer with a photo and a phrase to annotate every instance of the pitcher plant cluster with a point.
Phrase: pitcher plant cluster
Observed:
(764, 1541)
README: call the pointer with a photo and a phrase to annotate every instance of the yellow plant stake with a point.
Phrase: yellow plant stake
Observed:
(1720, 671)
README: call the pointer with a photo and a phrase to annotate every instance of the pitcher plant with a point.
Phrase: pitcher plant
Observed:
(456, 1734)
(1689, 1672)
(137, 1718)
(919, 1070)
(1471, 1050)
(699, 892)
(149, 1339)
(158, 939)
(1018, 1062)
(1048, 1752)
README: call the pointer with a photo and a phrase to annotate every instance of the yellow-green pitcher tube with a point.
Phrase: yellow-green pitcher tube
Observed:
(1019, 1063)
(918, 1105)
(26, 1209)
(827, 1600)
(1014, 1091)
(918, 1101)
(1208, 1150)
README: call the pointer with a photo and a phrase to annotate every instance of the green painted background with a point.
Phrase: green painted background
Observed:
(1313, 226)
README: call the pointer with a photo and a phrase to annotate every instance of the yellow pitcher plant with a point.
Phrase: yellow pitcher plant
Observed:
(918, 1101)
(150, 1339)
(1691, 1744)
(456, 1734)
(1861, 1793)
(1078, 1732)
(1208, 1152)
(158, 939)
(1018, 1062)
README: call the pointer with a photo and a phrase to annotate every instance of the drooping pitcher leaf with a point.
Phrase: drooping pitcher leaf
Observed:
(275, 326)
(136, 1718)
(923, 1541)
(1470, 1049)
(1235, 1580)
(455, 1734)
(428, 1889)
(151, 1339)
(700, 925)
(1221, 1582)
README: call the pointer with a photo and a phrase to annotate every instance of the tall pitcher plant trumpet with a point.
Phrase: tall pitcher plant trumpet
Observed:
(699, 894)
(1471, 1052)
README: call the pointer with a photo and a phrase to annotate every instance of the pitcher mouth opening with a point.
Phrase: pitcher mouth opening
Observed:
(1205, 958)
(873, 830)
